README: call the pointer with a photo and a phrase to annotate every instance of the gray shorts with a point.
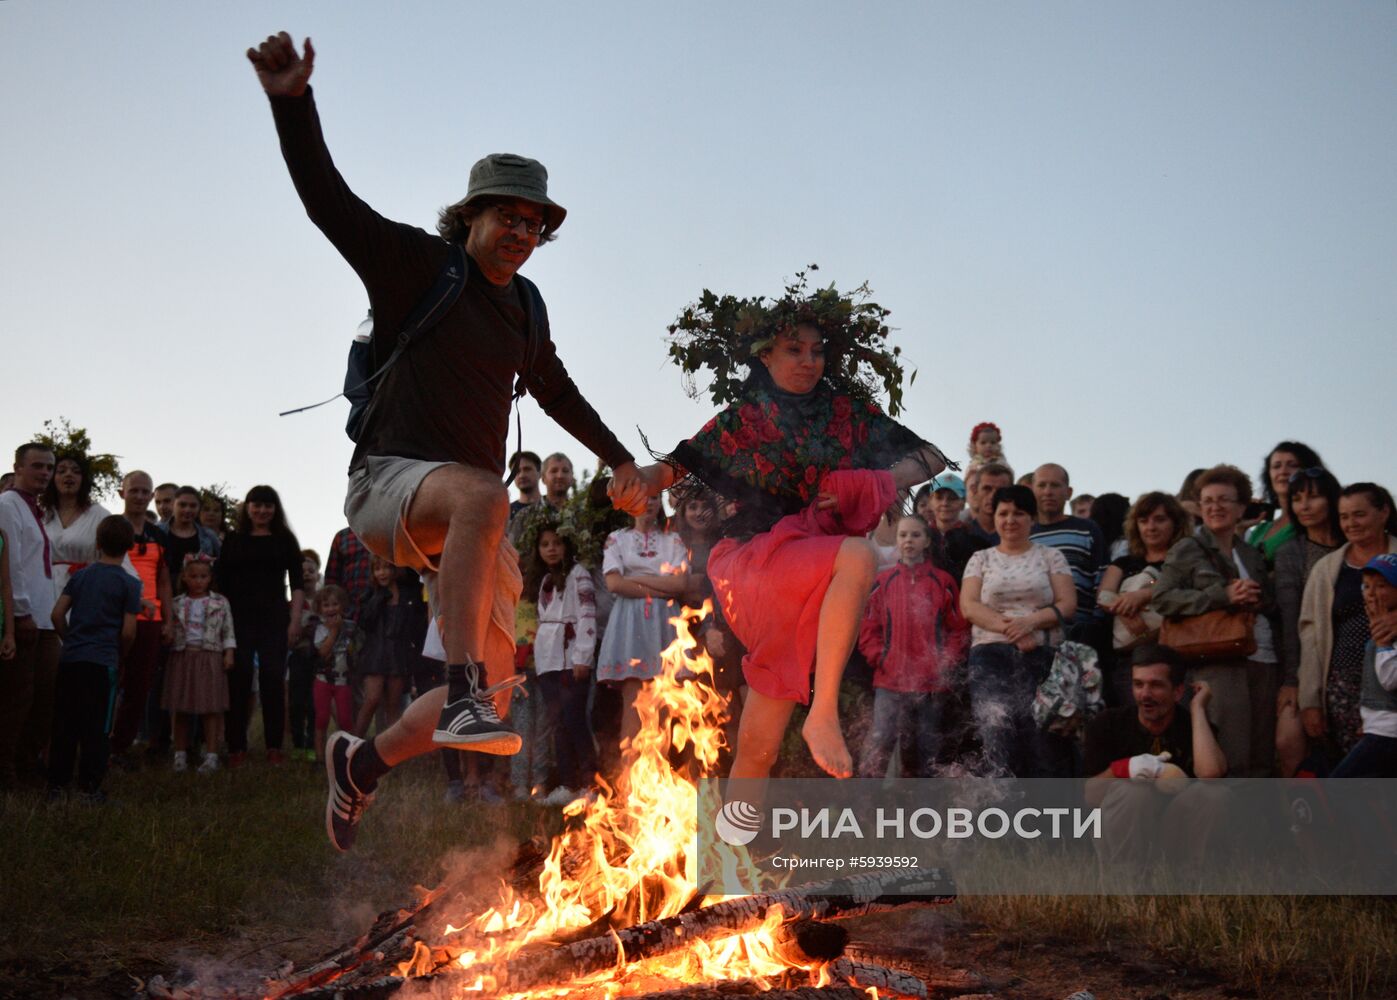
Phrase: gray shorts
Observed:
(376, 505)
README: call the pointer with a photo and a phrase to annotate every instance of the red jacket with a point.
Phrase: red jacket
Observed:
(913, 633)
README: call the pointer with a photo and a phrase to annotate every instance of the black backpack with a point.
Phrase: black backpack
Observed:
(360, 379)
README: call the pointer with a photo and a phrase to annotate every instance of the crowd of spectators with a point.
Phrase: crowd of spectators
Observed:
(158, 633)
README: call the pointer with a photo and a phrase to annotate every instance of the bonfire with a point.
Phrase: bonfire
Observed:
(615, 908)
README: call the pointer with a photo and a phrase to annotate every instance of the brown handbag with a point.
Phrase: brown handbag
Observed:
(1213, 635)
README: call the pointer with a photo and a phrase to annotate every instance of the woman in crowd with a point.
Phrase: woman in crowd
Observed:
(71, 517)
(1214, 570)
(1152, 527)
(1334, 626)
(186, 535)
(812, 463)
(213, 514)
(646, 568)
(1188, 493)
(261, 559)
(1312, 507)
(1015, 596)
(1283, 461)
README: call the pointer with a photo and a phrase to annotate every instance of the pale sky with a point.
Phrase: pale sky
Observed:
(1140, 237)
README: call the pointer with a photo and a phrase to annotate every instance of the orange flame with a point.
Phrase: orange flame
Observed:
(630, 852)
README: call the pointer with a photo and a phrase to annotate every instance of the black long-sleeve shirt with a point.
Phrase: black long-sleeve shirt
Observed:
(447, 398)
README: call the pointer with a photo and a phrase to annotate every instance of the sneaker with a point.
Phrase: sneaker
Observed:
(181, 762)
(210, 764)
(346, 804)
(469, 720)
(455, 793)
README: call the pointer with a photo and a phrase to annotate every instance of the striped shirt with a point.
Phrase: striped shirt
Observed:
(1084, 547)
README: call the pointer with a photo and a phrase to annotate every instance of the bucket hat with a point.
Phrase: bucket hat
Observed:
(508, 175)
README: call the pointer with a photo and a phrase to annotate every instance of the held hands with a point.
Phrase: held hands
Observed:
(631, 486)
(1129, 605)
(1244, 593)
(1018, 628)
(280, 70)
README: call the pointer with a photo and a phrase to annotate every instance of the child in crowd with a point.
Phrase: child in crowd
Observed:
(393, 620)
(196, 681)
(301, 663)
(563, 649)
(104, 602)
(914, 636)
(986, 446)
(1375, 755)
(334, 650)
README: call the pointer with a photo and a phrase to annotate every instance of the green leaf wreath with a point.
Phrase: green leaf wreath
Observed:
(725, 334)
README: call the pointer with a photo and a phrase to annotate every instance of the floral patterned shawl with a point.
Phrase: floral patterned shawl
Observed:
(771, 450)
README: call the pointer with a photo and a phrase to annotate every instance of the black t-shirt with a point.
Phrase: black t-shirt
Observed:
(176, 548)
(960, 544)
(1117, 733)
(1131, 564)
(253, 573)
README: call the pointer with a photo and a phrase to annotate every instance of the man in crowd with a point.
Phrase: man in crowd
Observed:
(1081, 505)
(140, 667)
(1078, 539)
(165, 502)
(1147, 806)
(26, 682)
(992, 476)
(557, 480)
(525, 467)
(425, 481)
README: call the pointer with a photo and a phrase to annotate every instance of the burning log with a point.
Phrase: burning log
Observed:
(841, 898)
(799, 993)
(809, 942)
(937, 979)
(888, 981)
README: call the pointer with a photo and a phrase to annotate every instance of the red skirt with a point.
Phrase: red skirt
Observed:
(771, 587)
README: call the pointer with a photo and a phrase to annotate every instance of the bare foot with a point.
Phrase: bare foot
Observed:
(826, 744)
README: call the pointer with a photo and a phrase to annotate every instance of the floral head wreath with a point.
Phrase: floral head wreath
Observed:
(202, 558)
(726, 335)
(585, 520)
(536, 520)
(986, 425)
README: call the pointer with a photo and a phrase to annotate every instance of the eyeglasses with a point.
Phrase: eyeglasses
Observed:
(508, 219)
(1314, 472)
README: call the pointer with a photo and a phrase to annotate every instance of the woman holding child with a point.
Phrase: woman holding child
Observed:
(811, 463)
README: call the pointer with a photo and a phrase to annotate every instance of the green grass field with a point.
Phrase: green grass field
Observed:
(236, 867)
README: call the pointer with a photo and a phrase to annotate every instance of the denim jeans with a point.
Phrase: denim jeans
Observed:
(1371, 757)
(565, 716)
(528, 769)
(1003, 682)
(914, 717)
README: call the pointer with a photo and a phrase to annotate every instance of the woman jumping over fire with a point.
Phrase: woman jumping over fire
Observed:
(812, 463)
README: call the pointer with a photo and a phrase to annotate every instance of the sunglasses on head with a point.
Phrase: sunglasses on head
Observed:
(1314, 472)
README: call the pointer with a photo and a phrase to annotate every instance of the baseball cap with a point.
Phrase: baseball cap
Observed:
(949, 481)
(1385, 565)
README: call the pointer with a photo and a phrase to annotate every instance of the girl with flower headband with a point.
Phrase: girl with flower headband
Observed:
(986, 445)
(195, 674)
(811, 462)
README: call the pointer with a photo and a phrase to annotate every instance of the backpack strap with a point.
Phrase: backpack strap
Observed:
(447, 288)
(537, 314)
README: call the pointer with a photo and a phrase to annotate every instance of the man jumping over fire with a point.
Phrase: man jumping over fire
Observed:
(425, 481)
